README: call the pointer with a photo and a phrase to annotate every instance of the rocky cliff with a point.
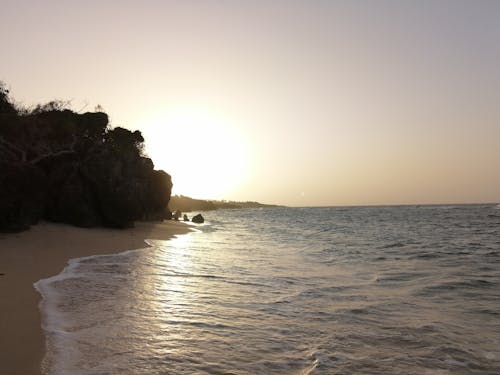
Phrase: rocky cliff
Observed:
(62, 166)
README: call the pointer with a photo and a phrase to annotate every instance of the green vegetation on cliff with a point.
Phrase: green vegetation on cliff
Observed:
(63, 166)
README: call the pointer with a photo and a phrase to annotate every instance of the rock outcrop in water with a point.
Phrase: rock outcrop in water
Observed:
(73, 168)
(199, 219)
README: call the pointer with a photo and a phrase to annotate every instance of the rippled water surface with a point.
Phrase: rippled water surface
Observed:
(375, 290)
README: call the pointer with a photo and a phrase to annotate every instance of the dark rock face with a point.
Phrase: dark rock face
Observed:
(69, 198)
(198, 219)
(66, 167)
(22, 193)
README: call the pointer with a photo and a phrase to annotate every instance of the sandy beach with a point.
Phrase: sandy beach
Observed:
(41, 252)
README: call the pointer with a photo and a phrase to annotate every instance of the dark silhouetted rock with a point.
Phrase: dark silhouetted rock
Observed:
(198, 219)
(67, 167)
(69, 198)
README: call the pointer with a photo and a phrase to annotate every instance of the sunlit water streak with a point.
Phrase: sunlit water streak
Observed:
(375, 290)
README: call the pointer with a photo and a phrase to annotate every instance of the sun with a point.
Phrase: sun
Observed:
(202, 151)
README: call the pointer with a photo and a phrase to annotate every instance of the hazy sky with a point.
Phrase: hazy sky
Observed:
(291, 102)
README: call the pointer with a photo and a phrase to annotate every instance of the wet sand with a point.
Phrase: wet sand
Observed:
(41, 252)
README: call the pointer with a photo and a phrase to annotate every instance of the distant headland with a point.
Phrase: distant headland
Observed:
(187, 204)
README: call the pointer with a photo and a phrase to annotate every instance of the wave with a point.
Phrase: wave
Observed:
(462, 288)
(392, 245)
(53, 323)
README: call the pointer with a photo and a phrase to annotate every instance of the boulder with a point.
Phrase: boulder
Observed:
(198, 219)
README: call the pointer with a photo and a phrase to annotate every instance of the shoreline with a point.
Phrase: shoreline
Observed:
(42, 252)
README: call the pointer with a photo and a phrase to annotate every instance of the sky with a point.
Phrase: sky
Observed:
(301, 103)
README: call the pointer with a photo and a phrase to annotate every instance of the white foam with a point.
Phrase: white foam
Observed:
(61, 353)
(53, 322)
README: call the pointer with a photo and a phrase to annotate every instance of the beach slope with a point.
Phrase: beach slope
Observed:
(41, 252)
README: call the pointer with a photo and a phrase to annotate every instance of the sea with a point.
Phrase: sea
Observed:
(324, 290)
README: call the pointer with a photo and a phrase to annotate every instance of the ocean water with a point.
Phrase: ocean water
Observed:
(358, 290)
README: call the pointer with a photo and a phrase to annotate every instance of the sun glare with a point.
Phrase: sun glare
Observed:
(205, 155)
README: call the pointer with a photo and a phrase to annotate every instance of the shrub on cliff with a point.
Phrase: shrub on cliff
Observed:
(6, 107)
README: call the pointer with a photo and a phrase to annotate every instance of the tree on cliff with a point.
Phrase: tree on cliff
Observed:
(62, 166)
(5, 105)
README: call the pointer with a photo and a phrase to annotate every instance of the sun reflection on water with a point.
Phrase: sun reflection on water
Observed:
(174, 291)
(176, 264)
